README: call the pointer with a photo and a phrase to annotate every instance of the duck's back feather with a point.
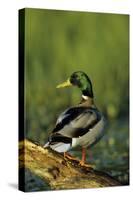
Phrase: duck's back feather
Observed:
(76, 126)
(76, 121)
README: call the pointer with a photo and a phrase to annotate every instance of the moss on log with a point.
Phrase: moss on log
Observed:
(58, 172)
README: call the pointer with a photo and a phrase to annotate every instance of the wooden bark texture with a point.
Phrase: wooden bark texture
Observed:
(59, 172)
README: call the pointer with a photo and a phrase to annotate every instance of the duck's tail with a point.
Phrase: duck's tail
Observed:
(59, 143)
(59, 147)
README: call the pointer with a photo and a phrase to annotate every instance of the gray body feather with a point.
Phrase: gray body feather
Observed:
(82, 125)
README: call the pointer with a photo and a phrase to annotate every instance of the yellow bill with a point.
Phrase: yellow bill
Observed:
(65, 84)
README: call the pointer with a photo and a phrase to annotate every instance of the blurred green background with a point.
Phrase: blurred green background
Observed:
(57, 43)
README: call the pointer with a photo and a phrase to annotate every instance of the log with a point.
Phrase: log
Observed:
(60, 172)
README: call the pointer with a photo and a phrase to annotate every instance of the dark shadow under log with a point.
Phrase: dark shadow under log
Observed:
(58, 172)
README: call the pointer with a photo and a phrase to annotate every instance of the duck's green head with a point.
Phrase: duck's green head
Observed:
(81, 80)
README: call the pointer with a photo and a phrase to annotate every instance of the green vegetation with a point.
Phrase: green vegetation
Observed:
(57, 43)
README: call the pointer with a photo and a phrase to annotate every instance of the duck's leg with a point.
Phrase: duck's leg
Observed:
(70, 157)
(82, 162)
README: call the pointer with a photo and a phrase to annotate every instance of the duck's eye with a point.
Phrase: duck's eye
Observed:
(74, 79)
(74, 76)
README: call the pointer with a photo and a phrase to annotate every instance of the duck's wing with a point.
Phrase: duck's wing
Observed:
(76, 121)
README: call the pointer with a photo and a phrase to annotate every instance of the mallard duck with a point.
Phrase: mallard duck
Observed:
(81, 125)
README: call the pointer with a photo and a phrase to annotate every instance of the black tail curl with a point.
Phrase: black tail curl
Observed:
(59, 138)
